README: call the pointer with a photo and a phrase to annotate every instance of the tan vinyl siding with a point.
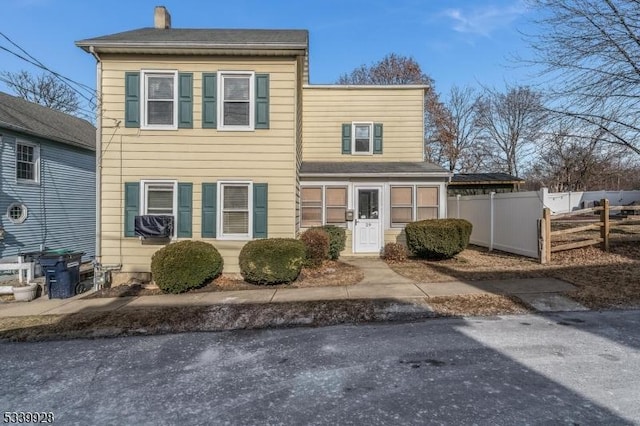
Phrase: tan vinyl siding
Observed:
(197, 155)
(400, 110)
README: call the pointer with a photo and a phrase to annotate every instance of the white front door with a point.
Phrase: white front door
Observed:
(367, 223)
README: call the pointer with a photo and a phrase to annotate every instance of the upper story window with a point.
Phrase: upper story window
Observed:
(160, 94)
(27, 162)
(236, 92)
(362, 138)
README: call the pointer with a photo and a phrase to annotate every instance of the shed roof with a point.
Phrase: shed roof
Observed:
(27, 117)
(371, 169)
(484, 178)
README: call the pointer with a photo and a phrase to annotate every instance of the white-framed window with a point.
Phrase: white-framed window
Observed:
(235, 210)
(160, 197)
(160, 100)
(27, 162)
(17, 213)
(362, 142)
(323, 205)
(236, 109)
(413, 202)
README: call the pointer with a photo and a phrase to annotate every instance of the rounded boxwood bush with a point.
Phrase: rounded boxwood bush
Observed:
(316, 243)
(272, 261)
(337, 239)
(438, 238)
(184, 265)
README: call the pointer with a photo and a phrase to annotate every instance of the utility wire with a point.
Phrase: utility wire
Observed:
(44, 67)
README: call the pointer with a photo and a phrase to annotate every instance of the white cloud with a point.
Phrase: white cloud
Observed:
(484, 20)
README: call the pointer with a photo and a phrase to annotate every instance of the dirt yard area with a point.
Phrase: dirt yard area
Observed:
(331, 273)
(603, 280)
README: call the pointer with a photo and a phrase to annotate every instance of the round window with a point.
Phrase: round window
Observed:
(17, 213)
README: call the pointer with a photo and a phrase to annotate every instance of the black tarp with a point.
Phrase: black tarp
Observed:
(154, 226)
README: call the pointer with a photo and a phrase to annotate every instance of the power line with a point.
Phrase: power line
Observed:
(57, 75)
(90, 90)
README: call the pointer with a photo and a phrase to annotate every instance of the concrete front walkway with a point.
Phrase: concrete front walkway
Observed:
(380, 282)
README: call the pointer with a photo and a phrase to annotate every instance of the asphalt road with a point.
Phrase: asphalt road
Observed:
(577, 368)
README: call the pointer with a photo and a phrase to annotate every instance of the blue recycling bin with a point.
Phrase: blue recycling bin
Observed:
(62, 272)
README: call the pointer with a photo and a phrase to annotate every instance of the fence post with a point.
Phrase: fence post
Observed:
(491, 214)
(545, 236)
(604, 229)
(458, 206)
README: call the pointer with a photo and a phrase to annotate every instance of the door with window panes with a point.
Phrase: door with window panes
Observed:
(367, 231)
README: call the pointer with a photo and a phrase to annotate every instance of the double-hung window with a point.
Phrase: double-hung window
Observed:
(160, 94)
(236, 94)
(27, 162)
(362, 138)
(235, 203)
(160, 198)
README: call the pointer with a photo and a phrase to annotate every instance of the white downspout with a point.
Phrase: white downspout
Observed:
(491, 220)
(98, 256)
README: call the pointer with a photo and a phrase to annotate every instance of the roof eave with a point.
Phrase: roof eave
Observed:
(123, 46)
(372, 175)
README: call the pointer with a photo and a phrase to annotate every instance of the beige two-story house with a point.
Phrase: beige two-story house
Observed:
(220, 131)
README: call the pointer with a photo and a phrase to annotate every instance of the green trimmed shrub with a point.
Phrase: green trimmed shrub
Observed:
(337, 239)
(184, 265)
(438, 238)
(395, 252)
(272, 260)
(316, 243)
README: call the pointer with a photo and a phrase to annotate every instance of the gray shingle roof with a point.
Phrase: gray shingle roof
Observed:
(26, 117)
(484, 177)
(377, 168)
(180, 37)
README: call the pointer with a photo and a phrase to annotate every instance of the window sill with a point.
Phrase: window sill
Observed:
(27, 182)
(235, 129)
(234, 238)
(164, 128)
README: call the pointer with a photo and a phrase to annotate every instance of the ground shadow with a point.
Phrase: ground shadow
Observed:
(442, 371)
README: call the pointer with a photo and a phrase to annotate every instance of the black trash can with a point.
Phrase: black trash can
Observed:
(62, 272)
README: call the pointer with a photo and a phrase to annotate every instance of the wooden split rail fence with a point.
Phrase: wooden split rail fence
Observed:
(604, 224)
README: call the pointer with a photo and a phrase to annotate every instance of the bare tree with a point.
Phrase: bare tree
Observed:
(43, 89)
(462, 154)
(396, 69)
(511, 123)
(590, 49)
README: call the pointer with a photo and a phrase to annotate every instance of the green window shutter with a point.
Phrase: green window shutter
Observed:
(260, 191)
(346, 138)
(185, 100)
(209, 95)
(131, 207)
(377, 138)
(131, 99)
(185, 209)
(262, 101)
(209, 199)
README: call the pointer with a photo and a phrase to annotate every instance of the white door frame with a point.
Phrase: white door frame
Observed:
(381, 214)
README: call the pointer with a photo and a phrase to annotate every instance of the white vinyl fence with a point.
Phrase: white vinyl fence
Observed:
(509, 222)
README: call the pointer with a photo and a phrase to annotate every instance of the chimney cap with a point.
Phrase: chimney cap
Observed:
(161, 18)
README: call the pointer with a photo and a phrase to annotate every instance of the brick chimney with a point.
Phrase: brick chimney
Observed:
(161, 18)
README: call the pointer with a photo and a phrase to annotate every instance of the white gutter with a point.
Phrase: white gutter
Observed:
(98, 254)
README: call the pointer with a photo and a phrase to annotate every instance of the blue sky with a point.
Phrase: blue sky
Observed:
(455, 41)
